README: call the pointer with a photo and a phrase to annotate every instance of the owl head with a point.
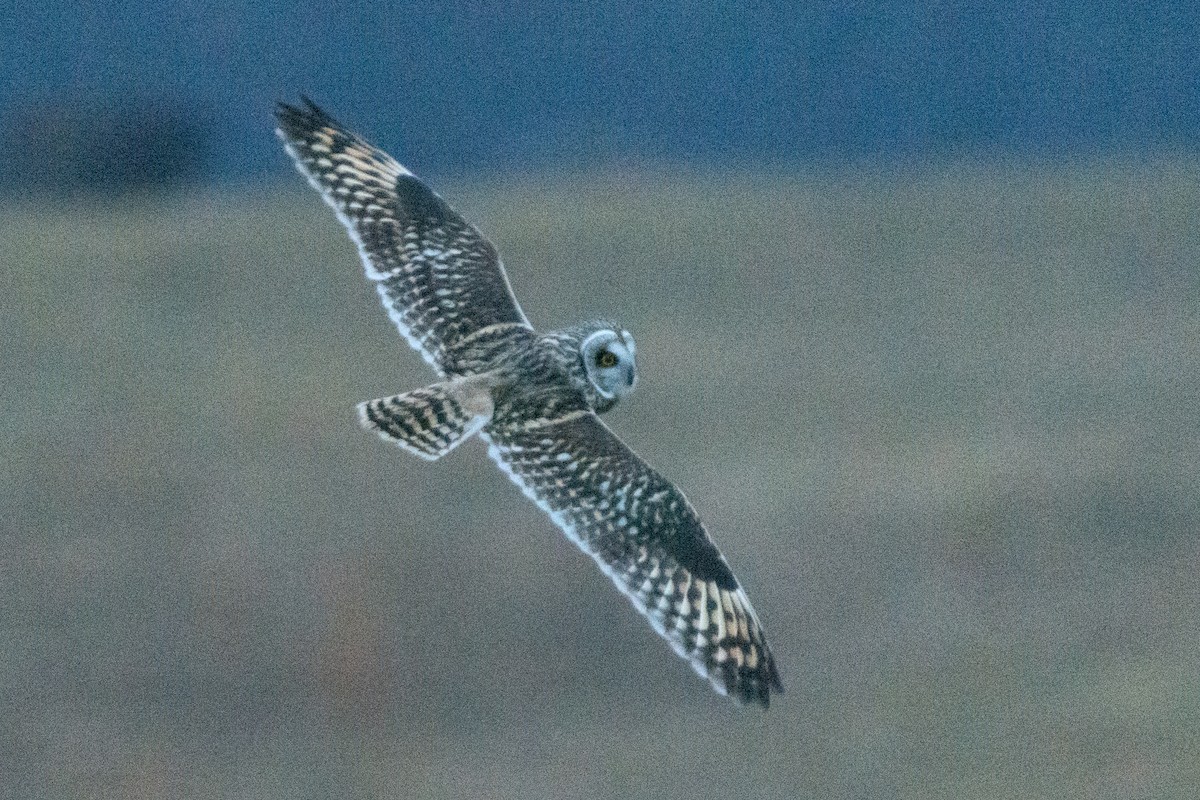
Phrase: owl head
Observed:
(609, 358)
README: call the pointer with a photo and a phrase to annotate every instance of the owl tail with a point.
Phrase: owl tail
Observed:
(431, 422)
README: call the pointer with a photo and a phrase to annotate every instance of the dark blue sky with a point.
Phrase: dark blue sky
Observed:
(511, 85)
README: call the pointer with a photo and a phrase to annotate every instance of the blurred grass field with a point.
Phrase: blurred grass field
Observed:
(943, 423)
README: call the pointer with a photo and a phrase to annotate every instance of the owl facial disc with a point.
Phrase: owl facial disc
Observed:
(610, 358)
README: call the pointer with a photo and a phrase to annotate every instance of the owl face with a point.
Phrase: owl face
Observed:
(610, 361)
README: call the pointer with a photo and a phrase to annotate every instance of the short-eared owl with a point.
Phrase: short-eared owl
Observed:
(534, 398)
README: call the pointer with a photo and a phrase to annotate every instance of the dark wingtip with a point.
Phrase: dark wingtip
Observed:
(763, 691)
(755, 687)
(776, 680)
(773, 683)
(295, 121)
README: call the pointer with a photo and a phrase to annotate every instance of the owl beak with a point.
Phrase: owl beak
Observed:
(630, 377)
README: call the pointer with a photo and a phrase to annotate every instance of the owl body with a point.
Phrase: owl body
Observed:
(534, 398)
(541, 376)
(489, 350)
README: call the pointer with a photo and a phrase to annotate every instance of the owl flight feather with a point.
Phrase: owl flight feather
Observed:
(534, 398)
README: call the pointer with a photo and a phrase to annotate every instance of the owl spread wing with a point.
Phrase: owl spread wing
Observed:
(441, 281)
(646, 537)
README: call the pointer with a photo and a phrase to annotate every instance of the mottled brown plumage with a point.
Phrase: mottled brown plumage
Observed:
(535, 399)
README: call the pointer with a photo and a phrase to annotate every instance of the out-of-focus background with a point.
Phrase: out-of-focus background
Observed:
(916, 300)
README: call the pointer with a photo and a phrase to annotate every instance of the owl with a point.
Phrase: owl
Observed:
(535, 398)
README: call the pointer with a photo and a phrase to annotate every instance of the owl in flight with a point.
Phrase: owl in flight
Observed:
(534, 398)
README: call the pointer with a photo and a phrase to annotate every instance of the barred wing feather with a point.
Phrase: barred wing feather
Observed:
(645, 535)
(441, 281)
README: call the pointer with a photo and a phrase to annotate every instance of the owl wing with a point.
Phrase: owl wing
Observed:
(441, 281)
(646, 537)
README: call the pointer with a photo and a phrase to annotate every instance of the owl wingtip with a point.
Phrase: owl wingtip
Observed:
(761, 694)
(752, 688)
(306, 116)
(776, 679)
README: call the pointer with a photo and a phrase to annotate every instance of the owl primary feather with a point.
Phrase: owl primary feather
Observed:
(534, 398)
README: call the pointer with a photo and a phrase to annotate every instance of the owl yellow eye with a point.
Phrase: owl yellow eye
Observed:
(606, 359)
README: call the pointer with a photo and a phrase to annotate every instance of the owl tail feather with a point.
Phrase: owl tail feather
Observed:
(431, 422)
